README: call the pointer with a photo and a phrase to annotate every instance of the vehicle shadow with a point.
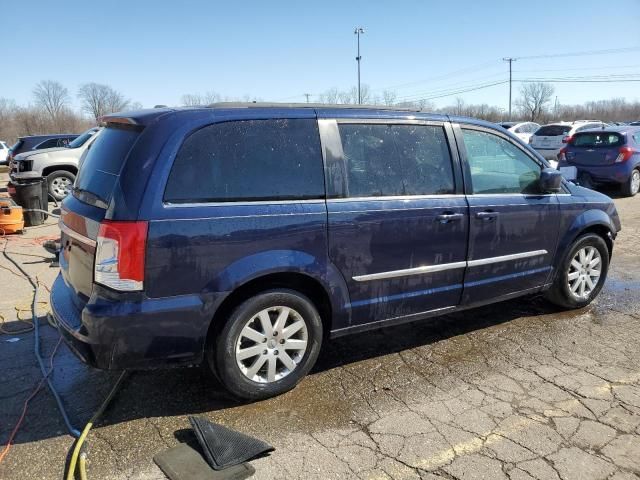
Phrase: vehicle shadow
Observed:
(181, 391)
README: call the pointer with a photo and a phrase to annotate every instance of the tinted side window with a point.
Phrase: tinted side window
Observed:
(52, 142)
(388, 160)
(249, 160)
(498, 166)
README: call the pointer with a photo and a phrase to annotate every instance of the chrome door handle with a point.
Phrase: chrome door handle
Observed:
(487, 216)
(449, 217)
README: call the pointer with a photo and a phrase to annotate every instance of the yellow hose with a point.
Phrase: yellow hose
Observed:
(83, 466)
(85, 431)
(76, 450)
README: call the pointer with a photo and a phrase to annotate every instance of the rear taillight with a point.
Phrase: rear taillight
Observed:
(120, 252)
(624, 154)
(562, 155)
(567, 139)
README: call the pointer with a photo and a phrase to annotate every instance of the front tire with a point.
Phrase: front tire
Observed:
(269, 343)
(581, 274)
(60, 183)
(631, 188)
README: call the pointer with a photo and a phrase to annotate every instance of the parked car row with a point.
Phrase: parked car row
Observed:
(56, 158)
(40, 142)
(594, 152)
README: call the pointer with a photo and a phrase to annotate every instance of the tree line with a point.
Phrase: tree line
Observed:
(51, 108)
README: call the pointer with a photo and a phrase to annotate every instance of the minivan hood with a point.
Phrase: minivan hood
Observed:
(588, 193)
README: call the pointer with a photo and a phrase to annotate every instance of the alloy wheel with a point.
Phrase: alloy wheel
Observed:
(635, 182)
(271, 344)
(584, 272)
(61, 186)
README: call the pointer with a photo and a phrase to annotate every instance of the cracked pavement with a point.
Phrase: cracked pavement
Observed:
(513, 391)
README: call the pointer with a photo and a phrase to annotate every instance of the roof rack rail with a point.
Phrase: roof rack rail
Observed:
(311, 105)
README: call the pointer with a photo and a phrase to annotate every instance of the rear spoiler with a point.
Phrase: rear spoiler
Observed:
(106, 119)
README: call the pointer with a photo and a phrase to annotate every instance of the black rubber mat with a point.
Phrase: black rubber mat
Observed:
(223, 447)
(185, 463)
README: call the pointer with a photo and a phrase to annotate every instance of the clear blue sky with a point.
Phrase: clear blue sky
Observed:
(156, 51)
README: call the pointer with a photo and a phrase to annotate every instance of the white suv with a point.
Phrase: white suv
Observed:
(522, 130)
(59, 165)
(549, 139)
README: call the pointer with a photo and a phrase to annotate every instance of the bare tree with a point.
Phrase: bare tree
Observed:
(330, 96)
(51, 96)
(389, 97)
(98, 100)
(534, 98)
(199, 100)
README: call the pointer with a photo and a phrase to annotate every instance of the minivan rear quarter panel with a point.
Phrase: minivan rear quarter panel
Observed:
(208, 249)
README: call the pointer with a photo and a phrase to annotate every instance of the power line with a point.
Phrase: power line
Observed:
(471, 89)
(482, 66)
(605, 67)
(581, 53)
(453, 86)
(560, 80)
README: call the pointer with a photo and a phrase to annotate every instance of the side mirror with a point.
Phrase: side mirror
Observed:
(550, 180)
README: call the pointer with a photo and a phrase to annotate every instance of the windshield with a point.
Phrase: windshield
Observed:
(78, 142)
(599, 139)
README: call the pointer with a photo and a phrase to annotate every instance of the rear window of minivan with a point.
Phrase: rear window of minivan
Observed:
(553, 130)
(249, 160)
(102, 165)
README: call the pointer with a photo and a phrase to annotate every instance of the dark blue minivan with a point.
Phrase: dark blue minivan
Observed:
(243, 235)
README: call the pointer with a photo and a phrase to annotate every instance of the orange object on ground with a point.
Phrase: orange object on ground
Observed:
(11, 218)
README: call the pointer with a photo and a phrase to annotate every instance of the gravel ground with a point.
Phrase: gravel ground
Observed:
(516, 390)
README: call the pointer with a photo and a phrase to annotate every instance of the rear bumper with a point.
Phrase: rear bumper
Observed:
(548, 153)
(116, 334)
(617, 173)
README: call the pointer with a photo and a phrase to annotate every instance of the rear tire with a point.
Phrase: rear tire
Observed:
(60, 183)
(269, 343)
(632, 186)
(581, 274)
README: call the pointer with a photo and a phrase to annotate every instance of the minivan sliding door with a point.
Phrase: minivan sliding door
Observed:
(397, 218)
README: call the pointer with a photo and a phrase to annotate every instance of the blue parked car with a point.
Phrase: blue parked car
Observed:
(605, 156)
(245, 235)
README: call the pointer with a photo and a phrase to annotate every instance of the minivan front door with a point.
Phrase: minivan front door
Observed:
(513, 228)
(398, 221)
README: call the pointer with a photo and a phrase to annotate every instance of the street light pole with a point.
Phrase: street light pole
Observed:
(510, 60)
(357, 32)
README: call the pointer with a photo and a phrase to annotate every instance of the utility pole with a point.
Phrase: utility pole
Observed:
(510, 60)
(357, 32)
(307, 95)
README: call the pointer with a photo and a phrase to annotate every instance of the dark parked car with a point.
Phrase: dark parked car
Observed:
(40, 142)
(606, 156)
(245, 235)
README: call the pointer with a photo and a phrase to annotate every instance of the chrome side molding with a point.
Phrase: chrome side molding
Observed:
(447, 266)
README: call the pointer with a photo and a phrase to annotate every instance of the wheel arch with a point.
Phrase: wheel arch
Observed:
(55, 168)
(591, 221)
(297, 281)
